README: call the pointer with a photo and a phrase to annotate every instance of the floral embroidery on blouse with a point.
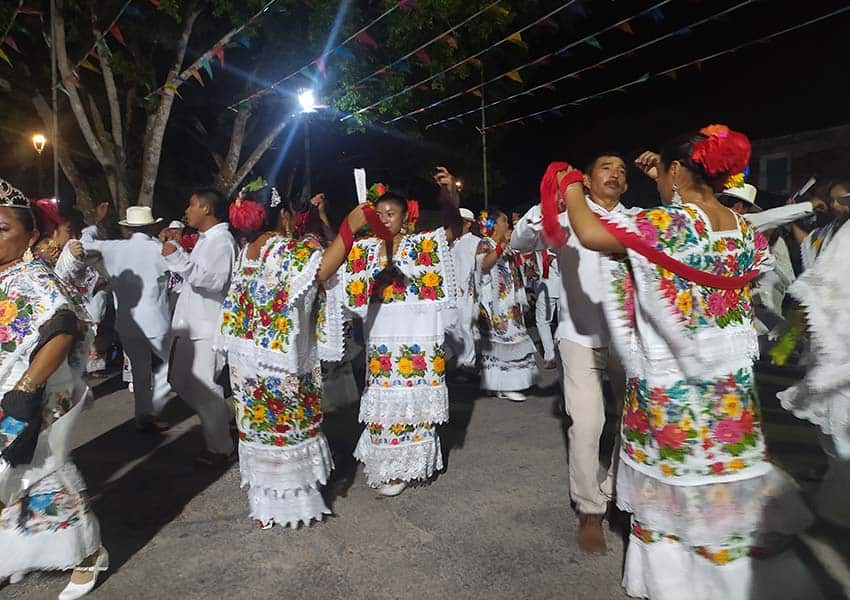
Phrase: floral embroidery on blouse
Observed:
(279, 411)
(418, 256)
(259, 310)
(677, 430)
(682, 233)
(16, 312)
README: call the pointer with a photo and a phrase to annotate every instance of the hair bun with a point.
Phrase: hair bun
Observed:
(722, 153)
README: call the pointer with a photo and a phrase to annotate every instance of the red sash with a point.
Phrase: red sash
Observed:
(655, 256)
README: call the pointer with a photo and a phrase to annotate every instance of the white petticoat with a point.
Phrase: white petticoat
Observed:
(284, 483)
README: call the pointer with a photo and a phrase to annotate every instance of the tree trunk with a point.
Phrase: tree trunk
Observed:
(157, 121)
(255, 157)
(84, 199)
(230, 163)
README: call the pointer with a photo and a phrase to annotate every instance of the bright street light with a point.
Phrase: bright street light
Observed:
(307, 100)
(38, 142)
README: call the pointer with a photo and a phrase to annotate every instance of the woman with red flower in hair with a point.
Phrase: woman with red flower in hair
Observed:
(693, 469)
(277, 322)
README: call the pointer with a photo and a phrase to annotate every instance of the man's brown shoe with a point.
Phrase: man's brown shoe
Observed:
(590, 536)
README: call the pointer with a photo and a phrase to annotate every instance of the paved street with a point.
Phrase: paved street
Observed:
(495, 525)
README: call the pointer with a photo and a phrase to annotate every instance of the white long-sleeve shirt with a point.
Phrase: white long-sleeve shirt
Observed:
(206, 279)
(781, 215)
(137, 274)
(463, 254)
(580, 316)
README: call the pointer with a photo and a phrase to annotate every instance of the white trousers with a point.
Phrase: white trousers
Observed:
(150, 386)
(545, 311)
(194, 370)
(584, 400)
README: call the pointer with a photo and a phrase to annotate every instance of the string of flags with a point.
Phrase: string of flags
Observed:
(598, 65)
(7, 39)
(99, 47)
(514, 74)
(361, 35)
(235, 37)
(420, 51)
(671, 72)
(515, 38)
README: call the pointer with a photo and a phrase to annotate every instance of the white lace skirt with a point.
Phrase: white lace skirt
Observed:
(284, 484)
(399, 451)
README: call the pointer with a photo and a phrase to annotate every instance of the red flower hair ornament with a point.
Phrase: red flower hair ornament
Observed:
(247, 215)
(722, 153)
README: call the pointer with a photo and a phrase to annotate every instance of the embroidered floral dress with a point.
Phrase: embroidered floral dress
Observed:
(404, 325)
(506, 351)
(274, 327)
(694, 469)
(45, 520)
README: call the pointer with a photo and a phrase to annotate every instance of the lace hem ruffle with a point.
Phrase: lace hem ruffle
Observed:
(284, 472)
(409, 405)
(709, 514)
(407, 462)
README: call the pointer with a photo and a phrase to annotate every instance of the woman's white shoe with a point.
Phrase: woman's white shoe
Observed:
(17, 577)
(73, 590)
(392, 489)
(512, 396)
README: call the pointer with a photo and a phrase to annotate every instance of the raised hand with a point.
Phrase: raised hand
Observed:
(648, 163)
(444, 178)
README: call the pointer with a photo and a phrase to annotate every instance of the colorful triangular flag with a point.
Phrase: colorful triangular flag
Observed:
(423, 56)
(592, 41)
(344, 53)
(173, 89)
(243, 40)
(408, 5)
(514, 76)
(197, 75)
(672, 75)
(656, 15)
(4, 57)
(366, 39)
(205, 63)
(401, 66)
(451, 41)
(322, 66)
(501, 10)
(86, 64)
(549, 22)
(219, 52)
(72, 79)
(626, 28)
(516, 38)
(103, 49)
(578, 8)
(682, 31)
(116, 33)
(476, 92)
(550, 86)
(474, 62)
(9, 41)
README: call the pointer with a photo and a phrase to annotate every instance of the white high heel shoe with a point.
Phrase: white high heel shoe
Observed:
(390, 490)
(73, 590)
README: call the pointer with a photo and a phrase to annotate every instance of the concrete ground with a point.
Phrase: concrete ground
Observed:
(496, 525)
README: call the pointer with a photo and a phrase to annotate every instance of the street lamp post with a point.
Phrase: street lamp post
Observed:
(38, 143)
(307, 100)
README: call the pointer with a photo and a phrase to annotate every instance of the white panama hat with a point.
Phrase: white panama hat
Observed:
(466, 214)
(746, 193)
(176, 225)
(139, 216)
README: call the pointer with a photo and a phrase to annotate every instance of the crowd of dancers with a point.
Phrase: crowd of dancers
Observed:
(665, 304)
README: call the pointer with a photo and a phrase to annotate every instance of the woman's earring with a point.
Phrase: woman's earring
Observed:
(677, 198)
(28, 256)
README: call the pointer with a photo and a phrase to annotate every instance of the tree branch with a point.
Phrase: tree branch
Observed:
(256, 155)
(157, 121)
(227, 168)
(73, 95)
(112, 97)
